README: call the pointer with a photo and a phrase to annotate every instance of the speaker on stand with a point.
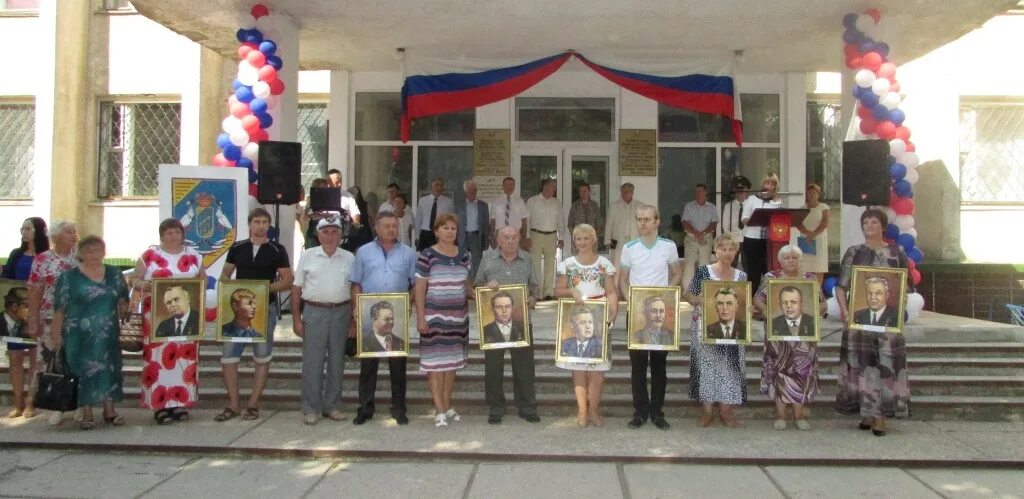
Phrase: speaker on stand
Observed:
(866, 180)
(280, 180)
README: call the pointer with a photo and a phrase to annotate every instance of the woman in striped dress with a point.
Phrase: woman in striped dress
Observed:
(442, 315)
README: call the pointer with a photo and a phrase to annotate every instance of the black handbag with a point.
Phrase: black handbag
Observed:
(58, 388)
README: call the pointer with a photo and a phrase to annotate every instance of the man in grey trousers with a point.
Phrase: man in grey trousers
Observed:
(322, 308)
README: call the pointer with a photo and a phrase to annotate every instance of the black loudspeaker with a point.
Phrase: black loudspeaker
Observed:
(865, 173)
(280, 165)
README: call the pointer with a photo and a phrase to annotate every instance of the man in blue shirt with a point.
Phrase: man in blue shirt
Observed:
(383, 266)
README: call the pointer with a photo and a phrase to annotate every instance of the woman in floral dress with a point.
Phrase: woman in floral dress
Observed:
(170, 381)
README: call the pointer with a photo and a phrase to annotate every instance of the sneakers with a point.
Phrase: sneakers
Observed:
(334, 415)
(440, 420)
(780, 424)
(452, 415)
(309, 419)
(802, 424)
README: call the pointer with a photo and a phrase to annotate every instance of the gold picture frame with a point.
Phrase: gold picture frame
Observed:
(792, 301)
(374, 307)
(488, 330)
(20, 334)
(663, 304)
(161, 318)
(237, 299)
(713, 331)
(566, 343)
(891, 316)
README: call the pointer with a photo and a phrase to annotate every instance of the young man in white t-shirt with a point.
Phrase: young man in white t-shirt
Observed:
(649, 260)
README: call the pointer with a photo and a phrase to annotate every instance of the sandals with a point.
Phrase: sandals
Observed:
(225, 415)
(115, 420)
(251, 414)
(87, 424)
(163, 417)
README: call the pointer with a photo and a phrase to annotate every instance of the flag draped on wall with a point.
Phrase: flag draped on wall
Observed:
(435, 87)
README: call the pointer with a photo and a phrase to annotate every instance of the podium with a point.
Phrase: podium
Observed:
(778, 221)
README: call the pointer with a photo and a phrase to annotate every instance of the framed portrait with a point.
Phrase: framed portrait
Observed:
(726, 313)
(242, 308)
(582, 332)
(177, 312)
(15, 299)
(653, 318)
(792, 310)
(382, 325)
(502, 317)
(877, 299)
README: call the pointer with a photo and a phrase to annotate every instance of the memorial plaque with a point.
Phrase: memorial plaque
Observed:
(638, 152)
(492, 152)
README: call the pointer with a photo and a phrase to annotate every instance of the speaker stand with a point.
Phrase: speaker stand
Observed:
(277, 237)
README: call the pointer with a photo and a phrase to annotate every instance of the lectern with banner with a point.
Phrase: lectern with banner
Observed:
(778, 221)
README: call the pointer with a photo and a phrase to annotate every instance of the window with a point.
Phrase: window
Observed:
(825, 148)
(118, 5)
(19, 5)
(454, 165)
(565, 119)
(761, 122)
(134, 139)
(679, 171)
(17, 149)
(991, 152)
(378, 117)
(378, 166)
(751, 162)
(313, 136)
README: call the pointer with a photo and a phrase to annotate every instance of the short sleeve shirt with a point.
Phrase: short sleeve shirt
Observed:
(700, 217)
(649, 266)
(589, 279)
(261, 264)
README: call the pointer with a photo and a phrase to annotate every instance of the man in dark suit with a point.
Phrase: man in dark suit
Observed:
(381, 337)
(793, 321)
(243, 304)
(878, 312)
(503, 329)
(727, 328)
(473, 219)
(14, 319)
(182, 322)
(654, 331)
(583, 345)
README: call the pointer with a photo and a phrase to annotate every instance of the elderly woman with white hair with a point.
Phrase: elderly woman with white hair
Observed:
(789, 372)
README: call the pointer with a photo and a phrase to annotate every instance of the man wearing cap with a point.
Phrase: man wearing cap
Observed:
(322, 310)
(731, 211)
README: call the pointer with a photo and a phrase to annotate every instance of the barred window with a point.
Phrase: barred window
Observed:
(313, 136)
(134, 139)
(17, 149)
(991, 152)
(825, 148)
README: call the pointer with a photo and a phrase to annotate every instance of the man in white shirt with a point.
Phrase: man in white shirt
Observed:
(649, 260)
(348, 203)
(508, 210)
(428, 209)
(322, 308)
(389, 205)
(473, 223)
(620, 227)
(730, 220)
(755, 239)
(700, 220)
(545, 235)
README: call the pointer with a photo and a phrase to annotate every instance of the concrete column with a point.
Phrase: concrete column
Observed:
(191, 98)
(286, 115)
(794, 150)
(215, 75)
(46, 45)
(339, 154)
(849, 219)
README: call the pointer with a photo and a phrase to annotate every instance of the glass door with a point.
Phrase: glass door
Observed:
(593, 167)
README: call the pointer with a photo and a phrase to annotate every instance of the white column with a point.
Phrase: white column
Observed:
(637, 112)
(849, 223)
(46, 48)
(286, 115)
(191, 90)
(339, 154)
(794, 149)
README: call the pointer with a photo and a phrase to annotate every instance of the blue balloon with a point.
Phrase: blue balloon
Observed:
(265, 120)
(258, 105)
(897, 171)
(244, 163)
(223, 140)
(907, 241)
(241, 34)
(244, 94)
(902, 188)
(915, 254)
(253, 176)
(853, 36)
(891, 231)
(275, 62)
(235, 84)
(896, 116)
(211, 282)
(850, 20)
(866, 47)
(880, 112)
(254, 36)
(829, 286)
(869, 99)
(882, 49)
(232, 152)
(268, 47)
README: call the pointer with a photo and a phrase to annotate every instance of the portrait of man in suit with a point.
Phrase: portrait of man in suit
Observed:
(15, 315)
(381, 337)
(727, 305)
(583, 344)
(243, 305)
(792, 321)
(504, 329)
(182, 322)
(654, 331)
(877, 313)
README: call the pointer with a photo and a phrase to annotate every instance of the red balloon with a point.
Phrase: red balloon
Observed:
(276, 87)
(885, 130)
(256, 58)
(888, 71)
(872, 61)
(868, 125)
(243, 50)
(863, 112)
(259, 10)
(211, 314)
(911, 264)
(874, 13)
(267, 73)
(910, 146)
(915, 276)
(240, 109)
(854, 62)
(851, 50)
(903, 206)
(254, 190)
(902, 133)
(250, 123)
(258, 135)
(220, 160)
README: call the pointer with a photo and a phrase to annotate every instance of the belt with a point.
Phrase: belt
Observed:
(320, 304)
(472, 232)
(545, 232)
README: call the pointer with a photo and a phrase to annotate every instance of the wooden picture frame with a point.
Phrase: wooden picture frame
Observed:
(885, 283)
(387, 314)
(242, 310)
(163, 324)
(713, 331)
(792, 301)
(653, 318)
(567, 345)
(20, 333)
(517, 313)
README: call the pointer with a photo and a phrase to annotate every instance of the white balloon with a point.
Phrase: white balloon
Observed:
(880, 86)
(251, 151)
(232, 100)
(833, 307)
(261, 89)
(865, 24)
(891, 100)
(247, 74)
(890, 214)
(904, 222)
(232, 125)
(912, 231)
(239, 138)
(864, 78)
(910, 159)
(912, 176)
(897, 147)
(915, 302)
(211, 298)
